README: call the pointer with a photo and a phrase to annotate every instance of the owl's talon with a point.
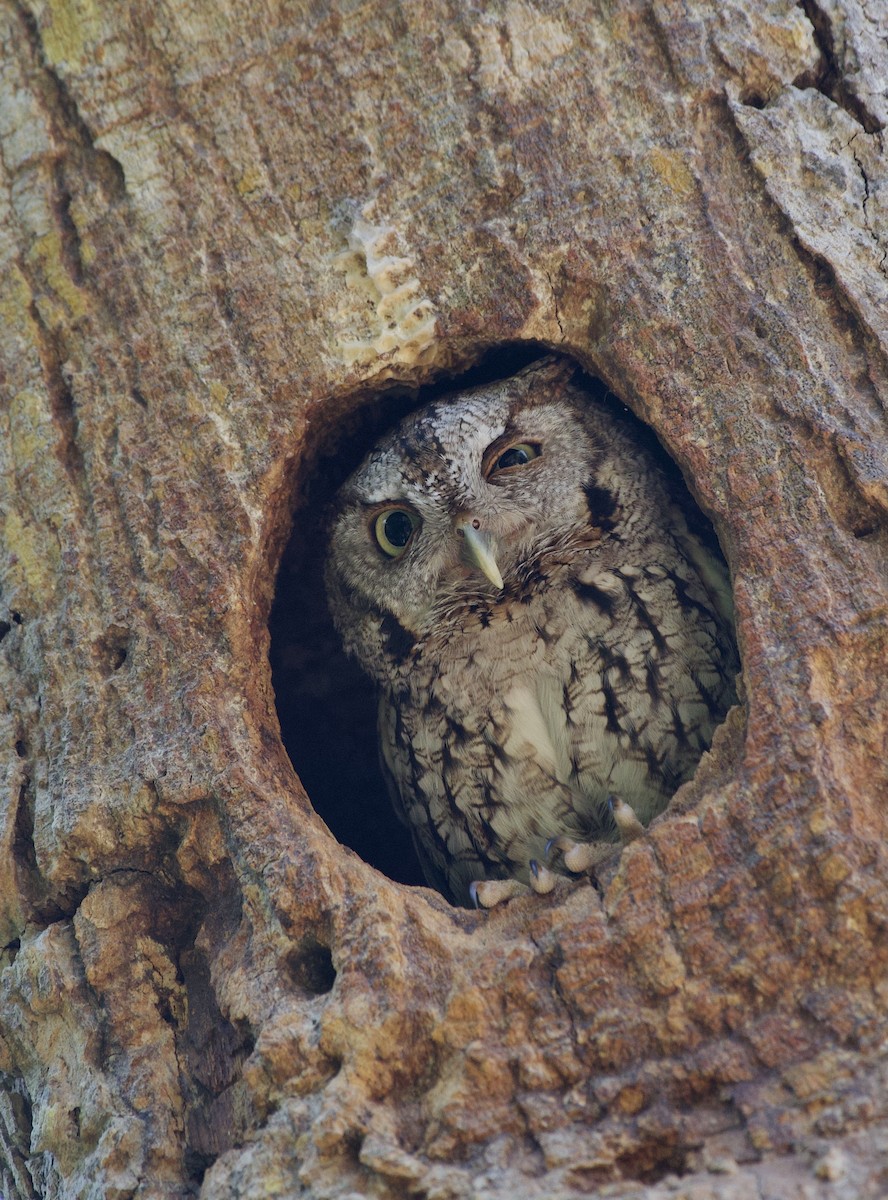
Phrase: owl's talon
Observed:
(627, 822)
(542, 880)
(582, 857)
(488, 893)
(578, 857)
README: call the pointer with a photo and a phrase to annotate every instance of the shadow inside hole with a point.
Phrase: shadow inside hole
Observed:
(326, 705)
(311, 967)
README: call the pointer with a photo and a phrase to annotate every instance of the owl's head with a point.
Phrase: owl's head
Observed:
(448, 512)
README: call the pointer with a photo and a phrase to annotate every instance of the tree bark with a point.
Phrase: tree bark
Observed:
(226, 232)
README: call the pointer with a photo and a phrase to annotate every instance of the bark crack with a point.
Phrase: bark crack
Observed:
(61, 398)
(866, 220)
(828, 77)
(15, 1138)
(74, 160)
(69, 125)
(555, 305)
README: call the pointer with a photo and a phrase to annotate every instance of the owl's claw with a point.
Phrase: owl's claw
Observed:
(580, 857)
(627, 822)
(542, 880)
(487, 893)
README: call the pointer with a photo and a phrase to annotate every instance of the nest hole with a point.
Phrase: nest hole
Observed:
(326, 706)
(312, 969)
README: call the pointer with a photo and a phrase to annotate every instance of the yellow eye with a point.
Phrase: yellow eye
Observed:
(393, 529)
(517, 456)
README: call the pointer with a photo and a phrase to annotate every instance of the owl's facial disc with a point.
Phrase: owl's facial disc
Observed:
(479, 549)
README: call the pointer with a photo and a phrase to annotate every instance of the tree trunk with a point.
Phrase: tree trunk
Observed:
(226, 231)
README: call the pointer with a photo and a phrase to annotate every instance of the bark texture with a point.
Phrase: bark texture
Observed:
(225, 230)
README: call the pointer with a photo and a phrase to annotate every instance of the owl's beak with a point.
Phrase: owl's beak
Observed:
(479, 551)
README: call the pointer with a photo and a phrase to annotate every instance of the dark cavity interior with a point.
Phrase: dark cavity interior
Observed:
(326, 706)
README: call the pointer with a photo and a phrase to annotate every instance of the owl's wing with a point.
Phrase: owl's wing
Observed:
(412, 753)
(697, 542)
(649, 641)
(391, 757)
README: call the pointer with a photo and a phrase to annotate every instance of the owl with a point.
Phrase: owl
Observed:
(549, 630)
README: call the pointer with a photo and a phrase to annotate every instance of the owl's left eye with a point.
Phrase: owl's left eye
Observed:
(393, 529)
(515, 456)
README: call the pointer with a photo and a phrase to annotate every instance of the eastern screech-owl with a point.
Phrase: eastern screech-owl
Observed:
(545, 628)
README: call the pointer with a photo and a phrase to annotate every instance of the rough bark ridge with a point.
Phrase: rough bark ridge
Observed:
(221, 229)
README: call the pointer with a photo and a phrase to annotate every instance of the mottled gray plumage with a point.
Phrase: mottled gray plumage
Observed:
(507, 716)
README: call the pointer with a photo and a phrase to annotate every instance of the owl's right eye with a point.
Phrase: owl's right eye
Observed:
(393, 529)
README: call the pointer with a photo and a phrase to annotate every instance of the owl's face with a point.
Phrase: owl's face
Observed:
(449, 508)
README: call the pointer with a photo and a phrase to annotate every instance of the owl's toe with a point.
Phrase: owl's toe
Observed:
(578, 857)
(487, 893)
(582, 857)
(542, 880)
(627, 822)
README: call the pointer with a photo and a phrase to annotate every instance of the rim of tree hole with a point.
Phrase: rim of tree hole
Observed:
(325, 705)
